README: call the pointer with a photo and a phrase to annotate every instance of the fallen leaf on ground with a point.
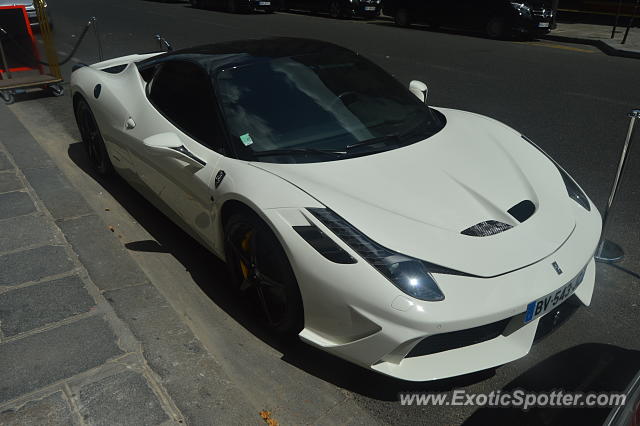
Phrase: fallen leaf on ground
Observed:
(266, 416)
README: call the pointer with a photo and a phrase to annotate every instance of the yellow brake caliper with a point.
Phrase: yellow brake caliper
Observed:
(244, 245)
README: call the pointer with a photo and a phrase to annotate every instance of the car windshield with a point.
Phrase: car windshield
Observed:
(316, 107)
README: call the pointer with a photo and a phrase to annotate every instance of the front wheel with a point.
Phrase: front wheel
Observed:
(260, 268)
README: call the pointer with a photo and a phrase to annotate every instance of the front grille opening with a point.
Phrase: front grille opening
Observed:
(458, 339)
(523, 210)
(486, 228)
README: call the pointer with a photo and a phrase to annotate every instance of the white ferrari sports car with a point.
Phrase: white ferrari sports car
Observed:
(416, 241)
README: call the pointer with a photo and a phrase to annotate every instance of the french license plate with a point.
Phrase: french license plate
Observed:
(539, 307)
(264, 3)
(369, 8)
(543, 25)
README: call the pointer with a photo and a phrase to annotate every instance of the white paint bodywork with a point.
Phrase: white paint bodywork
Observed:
(414, 200)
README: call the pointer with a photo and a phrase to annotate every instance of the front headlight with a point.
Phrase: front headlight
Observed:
(574, 191)
(412, 276)
(522, 8)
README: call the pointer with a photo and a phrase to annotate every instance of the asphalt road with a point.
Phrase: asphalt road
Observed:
(572, 100)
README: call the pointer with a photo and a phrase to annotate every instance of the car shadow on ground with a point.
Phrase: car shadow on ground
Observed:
(450, 31)
(590, 367)
(211, 275)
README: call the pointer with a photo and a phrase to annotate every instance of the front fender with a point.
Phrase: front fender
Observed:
(257, 189)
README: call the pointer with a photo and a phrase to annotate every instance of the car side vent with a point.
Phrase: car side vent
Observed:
(486, 228)
(116, 69)
(523, 210)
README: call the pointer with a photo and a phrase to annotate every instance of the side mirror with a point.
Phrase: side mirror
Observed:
(171, 145)
(164, 44)
(419, 89)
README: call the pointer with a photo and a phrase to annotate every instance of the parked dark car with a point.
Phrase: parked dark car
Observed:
(496, 18)
(337, 8)
(236, 6)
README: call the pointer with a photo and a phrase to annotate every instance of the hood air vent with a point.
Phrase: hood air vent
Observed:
(523, 210)
(487, 228)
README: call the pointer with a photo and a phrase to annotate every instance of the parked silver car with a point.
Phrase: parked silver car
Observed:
(31, 11)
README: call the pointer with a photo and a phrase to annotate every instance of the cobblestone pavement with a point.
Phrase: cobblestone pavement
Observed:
(85, 338)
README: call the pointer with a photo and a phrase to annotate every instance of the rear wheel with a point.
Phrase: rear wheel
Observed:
(260, 268)
(402, 17)
(92, 139)
(232, 6)
(495, 27)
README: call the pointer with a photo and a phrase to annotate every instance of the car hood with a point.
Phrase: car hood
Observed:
(416, 200)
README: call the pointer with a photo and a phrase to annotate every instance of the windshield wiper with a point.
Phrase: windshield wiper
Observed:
(298, 151)
(372, 141)
(395, 137)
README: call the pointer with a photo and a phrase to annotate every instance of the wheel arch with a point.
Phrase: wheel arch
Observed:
(239, 205)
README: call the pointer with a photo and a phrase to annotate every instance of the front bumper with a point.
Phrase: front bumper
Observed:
(353, 312)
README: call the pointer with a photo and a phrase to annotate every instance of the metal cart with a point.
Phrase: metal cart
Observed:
(12, 82)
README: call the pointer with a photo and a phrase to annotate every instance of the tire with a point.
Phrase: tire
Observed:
(232, 6)
(259, 267)
(7, 96)
(196, 4)
(56, 90)
(495, 28)
(402, 17)
(335, 9)
(92, 139)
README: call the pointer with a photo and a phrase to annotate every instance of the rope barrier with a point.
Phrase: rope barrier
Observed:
(92, 22)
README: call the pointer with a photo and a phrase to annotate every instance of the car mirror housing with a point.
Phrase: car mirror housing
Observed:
(419, 89)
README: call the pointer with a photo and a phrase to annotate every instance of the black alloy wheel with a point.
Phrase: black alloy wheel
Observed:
(261, 270)
(92, 139)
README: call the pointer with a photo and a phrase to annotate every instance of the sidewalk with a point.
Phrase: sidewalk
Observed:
(599, 36)
(85, 338)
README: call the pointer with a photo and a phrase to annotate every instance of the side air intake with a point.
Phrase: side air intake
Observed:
(487, 228)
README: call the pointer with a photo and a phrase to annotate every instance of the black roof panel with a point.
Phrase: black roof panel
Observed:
(214, 57)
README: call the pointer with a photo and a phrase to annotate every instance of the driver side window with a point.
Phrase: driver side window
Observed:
(181, 91)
